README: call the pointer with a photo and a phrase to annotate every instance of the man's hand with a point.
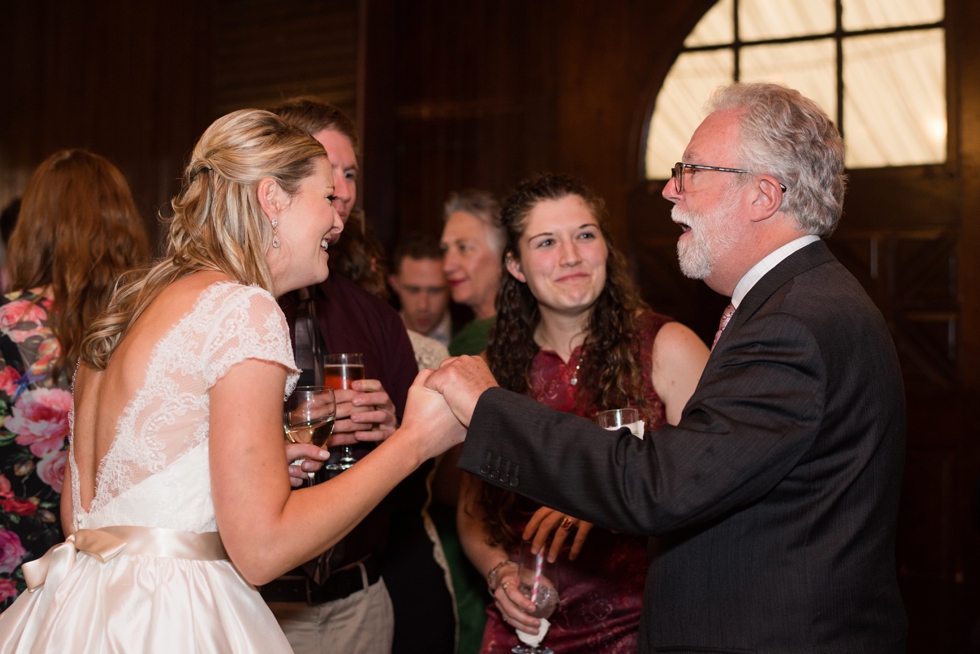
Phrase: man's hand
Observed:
(462, 380)
(364, 413)
(429, 420)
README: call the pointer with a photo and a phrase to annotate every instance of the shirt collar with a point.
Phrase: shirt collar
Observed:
(770, 261)
(442, 331)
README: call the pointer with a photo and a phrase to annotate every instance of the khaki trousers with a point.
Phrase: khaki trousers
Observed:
(362, 623)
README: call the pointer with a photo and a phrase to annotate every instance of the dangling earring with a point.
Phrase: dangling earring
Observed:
(275, 232)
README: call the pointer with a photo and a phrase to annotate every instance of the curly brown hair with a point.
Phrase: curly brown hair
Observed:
(611, 375)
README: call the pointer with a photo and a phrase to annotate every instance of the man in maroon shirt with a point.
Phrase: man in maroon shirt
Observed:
(343, 613)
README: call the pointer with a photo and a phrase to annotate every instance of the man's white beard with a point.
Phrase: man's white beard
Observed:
(709, 239)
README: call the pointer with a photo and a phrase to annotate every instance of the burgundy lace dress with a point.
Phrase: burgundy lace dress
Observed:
(602, 590)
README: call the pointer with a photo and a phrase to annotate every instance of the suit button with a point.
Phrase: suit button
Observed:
(513, 479)
(495, 473)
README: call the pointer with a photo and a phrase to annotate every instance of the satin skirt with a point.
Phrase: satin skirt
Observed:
(142, 598)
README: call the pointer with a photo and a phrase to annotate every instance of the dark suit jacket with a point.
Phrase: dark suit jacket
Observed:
(775, 499)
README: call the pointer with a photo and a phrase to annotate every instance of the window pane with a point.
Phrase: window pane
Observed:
(868, 14)
(680, 106)
(895, 99)
(765, 19)
(715, 27)
(809, 67)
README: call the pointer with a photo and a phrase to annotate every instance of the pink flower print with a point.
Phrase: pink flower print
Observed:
(8, 589)
(51, 469)
(40, 420)
(8, 380)
(23, 320)
(21, 335)
(11, 551)
(17, 506)
(5, 490)
(21, 311)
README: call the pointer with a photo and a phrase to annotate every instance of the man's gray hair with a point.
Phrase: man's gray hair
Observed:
(786, 135)
(483, 206)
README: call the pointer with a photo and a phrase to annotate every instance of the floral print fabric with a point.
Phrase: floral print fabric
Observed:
(34, 428)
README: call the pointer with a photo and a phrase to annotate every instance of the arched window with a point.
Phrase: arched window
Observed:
(877, 67)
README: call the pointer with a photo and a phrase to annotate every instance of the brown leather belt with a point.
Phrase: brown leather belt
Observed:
(340, 584)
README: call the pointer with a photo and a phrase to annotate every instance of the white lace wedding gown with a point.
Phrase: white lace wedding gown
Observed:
(170, 589)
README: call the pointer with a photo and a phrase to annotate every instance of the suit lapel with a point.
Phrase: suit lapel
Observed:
(804, 259)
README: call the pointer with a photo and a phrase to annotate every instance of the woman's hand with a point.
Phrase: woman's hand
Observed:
(514, 608)
(545, 521)
(314, 458)
(364, 413)
(429, 420)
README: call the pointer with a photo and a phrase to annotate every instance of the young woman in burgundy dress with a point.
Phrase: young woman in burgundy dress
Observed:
(573, 333)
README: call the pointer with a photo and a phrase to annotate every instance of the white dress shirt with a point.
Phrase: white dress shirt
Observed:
(768, 262)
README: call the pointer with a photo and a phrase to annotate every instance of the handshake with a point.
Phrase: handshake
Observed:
(441, 402)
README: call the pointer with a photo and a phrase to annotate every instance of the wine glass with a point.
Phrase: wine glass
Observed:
(538, 581)
(308, 417)
(616, 418)
(339, 370)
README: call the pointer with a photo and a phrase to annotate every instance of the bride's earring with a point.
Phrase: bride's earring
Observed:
(275, 232)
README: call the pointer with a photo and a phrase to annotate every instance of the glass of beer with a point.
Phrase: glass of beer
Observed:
(339, 370)
(308, 417)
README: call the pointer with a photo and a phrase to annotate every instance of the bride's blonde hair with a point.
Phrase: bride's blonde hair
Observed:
(217, 222)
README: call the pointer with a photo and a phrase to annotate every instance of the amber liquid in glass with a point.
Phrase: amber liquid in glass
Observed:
(340, 375)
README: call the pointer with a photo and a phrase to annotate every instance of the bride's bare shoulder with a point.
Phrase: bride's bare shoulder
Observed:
(187, 289)
(172, 303)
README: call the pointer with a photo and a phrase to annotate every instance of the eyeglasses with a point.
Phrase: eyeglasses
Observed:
(677, 173)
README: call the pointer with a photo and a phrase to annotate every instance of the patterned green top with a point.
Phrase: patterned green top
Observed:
(472, 339)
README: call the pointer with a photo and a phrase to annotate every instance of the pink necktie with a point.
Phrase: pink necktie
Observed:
(725, 317)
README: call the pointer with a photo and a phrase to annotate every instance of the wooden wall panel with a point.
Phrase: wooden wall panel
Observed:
(466, 102)
(265, 53)
(965, 14)
(129, 81)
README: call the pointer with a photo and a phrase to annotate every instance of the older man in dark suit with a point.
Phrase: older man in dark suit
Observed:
(776, 496)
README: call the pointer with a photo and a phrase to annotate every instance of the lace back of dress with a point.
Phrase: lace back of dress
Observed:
(168, 417)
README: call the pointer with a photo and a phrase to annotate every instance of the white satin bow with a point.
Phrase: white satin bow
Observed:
(58, 561)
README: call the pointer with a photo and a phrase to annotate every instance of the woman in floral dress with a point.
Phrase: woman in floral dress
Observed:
(78, 231)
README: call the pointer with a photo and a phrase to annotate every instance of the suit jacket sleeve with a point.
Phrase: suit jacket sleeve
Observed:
(754, 414)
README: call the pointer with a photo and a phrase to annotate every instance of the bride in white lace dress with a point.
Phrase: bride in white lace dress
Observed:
(177, 498)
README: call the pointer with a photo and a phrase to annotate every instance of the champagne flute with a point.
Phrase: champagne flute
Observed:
(616, 418)
(538, 581)
(309, 417)
(339, 370)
